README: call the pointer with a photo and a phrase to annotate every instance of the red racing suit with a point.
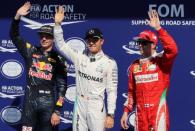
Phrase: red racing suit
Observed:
(149, 80)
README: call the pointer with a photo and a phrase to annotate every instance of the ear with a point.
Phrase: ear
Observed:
(102, 41)
(153, 46)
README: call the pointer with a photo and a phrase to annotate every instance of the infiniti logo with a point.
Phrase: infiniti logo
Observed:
(192, 122)
(192, 73)
(130, 51)
(125, 95)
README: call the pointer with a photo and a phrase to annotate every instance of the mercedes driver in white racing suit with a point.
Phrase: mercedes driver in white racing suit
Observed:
(95, 74)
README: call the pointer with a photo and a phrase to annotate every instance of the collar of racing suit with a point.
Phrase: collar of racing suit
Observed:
(143, 60)
(153, 56)
(46, 53)
(94, 57)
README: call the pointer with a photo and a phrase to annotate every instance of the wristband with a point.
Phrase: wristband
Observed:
(57, 112)
(111, 115)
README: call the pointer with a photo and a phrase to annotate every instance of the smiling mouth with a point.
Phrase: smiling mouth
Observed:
(44, 42)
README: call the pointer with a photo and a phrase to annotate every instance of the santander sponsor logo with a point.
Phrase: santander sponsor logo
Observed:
(146, 78)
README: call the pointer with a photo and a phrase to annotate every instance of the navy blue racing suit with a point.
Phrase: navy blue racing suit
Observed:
(46, 78)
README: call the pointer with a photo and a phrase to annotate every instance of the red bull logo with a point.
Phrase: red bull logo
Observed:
(40, 75)
(43, 66)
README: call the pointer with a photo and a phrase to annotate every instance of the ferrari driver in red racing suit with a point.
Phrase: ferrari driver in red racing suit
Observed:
(149, 79)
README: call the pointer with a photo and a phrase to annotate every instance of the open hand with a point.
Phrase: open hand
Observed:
(153, 21)
(24, 10)
(59, 15)
(109, 122)
(124, 121)
(55, 119)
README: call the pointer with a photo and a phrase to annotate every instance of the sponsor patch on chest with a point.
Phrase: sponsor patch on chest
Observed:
(90, 77)
(151, 67)
(137, 68)
(146, 78)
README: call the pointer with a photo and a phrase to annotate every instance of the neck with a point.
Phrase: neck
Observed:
(149, 56)
(94, 53)
(47, 49)
(153, 52)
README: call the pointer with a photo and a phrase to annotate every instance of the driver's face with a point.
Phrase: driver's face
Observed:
(94, 44)
(46, 40)
(147, 48)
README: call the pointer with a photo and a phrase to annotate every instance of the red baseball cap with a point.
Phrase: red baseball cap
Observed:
(148, 36)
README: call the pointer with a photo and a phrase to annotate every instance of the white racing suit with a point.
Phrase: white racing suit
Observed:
(94, 76)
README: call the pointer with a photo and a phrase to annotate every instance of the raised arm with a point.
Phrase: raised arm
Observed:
(60, 44)
(168, 43)
(22, 46)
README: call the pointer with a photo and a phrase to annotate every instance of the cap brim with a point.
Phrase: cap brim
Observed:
(139, 39)
(87, 37)
(42, 32)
